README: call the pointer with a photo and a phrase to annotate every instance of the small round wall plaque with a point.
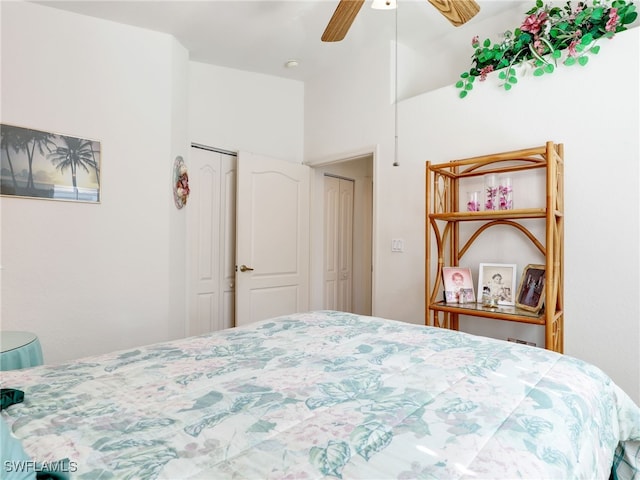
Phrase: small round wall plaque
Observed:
(180, 182)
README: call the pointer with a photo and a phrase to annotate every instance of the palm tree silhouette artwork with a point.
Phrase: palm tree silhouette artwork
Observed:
(18, 140)
(41, 141)
(11, 139)
(74, 154)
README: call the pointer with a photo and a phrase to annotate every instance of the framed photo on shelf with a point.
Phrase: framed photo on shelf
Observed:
(458, 285)
(531, 289)
(497, 282)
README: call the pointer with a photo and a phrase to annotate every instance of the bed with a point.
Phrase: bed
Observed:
(327, 395)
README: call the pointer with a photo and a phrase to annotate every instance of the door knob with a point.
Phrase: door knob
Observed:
(244, 268)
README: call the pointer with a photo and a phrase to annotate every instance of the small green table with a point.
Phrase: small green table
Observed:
(19, 350)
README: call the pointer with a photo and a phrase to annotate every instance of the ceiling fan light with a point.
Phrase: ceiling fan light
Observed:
(384, 4)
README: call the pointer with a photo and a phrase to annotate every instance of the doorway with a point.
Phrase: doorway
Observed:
(342, 247)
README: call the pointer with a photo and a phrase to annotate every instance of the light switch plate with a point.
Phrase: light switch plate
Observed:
(397, 245)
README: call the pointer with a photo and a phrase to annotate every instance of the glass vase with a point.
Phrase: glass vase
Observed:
(473, 201)
(491, 192)
(505, 193)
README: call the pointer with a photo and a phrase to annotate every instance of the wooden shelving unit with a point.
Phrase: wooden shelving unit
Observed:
(443, 236)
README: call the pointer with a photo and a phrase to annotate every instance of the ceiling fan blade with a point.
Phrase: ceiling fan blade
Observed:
(341, 20)
(458, 12)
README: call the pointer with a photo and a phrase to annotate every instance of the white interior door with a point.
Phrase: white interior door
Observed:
(272, 238)
(331, 244)
(338, 242)
(211, 227)
(345, 235)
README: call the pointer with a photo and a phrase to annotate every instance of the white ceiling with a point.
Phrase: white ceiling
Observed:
(262, 35)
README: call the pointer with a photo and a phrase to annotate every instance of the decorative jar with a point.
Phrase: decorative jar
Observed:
(473, 201)
(491, 192)
(505, 193)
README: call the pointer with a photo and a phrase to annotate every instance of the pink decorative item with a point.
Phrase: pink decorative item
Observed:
(181, 188)
(473, 202)
(491, 192)
(505, 193)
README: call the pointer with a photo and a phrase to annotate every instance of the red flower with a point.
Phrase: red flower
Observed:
(613, 20)
(571, 49)
(533, 23)
(485, 71)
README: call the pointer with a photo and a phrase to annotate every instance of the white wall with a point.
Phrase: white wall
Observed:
(236, 110)
(91, 278)
(592, 110)
(95, 278)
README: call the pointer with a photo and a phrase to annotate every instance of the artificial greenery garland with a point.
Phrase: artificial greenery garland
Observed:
(542, 38)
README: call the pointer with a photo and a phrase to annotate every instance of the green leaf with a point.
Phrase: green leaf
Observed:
(463, 94)
(597, 14)
(513, 80)
(548, 68)
(538, 72)
(507, 86)
(539, 4)
(464, 75)
(487, 43)
(580, 17)
(583, 60)
(468, 86)
(570, 61)
(459, 84)
(595, 49)
(556, 54)
(555, 11)
(629, 17)
(502, 75)
(586, 39)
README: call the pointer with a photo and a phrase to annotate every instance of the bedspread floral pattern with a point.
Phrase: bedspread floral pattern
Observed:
(327, 395)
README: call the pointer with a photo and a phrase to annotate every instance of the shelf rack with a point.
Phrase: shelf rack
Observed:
(443, 235)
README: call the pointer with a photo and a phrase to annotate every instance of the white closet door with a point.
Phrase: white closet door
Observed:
(338, 243)
(211, 227)
(331, 250)
(227, 233)
(345, 292)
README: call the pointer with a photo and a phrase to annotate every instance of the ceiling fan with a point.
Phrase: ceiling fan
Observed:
(457, 12)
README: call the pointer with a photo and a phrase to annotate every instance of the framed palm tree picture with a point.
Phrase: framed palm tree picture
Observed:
(46, 165)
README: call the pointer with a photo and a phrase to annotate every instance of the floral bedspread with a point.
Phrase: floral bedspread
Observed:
(328, 394)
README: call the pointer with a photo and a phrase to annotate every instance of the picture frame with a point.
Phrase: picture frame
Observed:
(47, 165)
(497, 283)
(531, 290)
(458, 285)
